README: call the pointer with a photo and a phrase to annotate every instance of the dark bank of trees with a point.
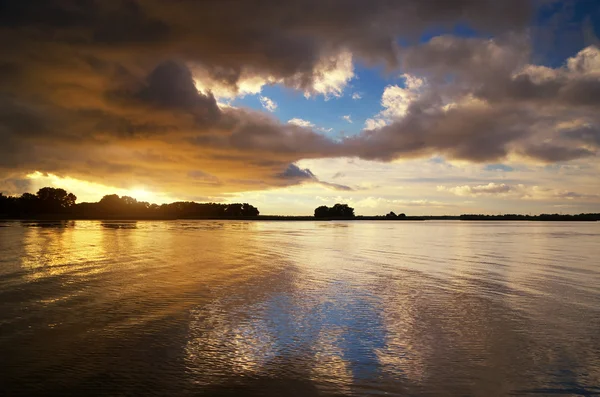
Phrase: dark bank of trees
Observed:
(47, 201)
(58, 203)
(344, 211)
(337, 211)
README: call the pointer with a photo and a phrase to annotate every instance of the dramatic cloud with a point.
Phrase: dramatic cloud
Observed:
(125, 92)
(156, 130)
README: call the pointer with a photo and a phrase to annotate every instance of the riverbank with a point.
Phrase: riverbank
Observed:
(538, 218)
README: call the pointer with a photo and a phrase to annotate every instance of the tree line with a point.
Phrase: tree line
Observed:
(56, 202)
(51, 202)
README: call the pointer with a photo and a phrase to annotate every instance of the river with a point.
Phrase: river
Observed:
(228, 308)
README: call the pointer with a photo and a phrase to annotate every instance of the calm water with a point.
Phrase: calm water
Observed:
(299, 308)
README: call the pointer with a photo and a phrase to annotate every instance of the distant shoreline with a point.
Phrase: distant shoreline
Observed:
(520, 218)
(55, 204)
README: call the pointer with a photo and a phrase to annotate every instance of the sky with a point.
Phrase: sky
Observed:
(414, 106)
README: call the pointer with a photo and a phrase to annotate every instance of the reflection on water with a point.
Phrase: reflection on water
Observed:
(119, 224)
(300, 308)
(48, 224)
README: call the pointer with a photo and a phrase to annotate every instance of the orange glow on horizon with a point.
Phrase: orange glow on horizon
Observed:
(92, 191)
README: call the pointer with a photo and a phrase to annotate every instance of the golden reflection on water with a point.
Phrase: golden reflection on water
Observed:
(344, 308)
(48, 251)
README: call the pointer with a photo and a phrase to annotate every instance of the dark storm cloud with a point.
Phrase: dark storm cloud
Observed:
(588, 134)
(554, 153)
(466, 58)
(476, 134)
(14, 186)
(171, 84)
(280, 38)
(479, 133)
(561, 90)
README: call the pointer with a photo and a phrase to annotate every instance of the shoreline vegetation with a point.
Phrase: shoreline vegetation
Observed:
(55, 204)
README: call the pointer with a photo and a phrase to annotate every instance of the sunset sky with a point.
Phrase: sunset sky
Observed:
(415, 106)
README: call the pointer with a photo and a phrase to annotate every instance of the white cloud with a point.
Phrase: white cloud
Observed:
(331, 75)
(357, 95)
(373, 124)
(301, 123)
(347, 118)
(267, 103)
(587, 61)
(396, 101)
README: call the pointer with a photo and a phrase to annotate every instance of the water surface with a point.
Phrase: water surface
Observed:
(299, 308)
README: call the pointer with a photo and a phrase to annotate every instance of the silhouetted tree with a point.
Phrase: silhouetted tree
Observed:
(342, 210)
(6, 204)
(52, 200)
(126, 200)
(249, 210)
(110, 200)
(337, 211)
(28, 204)
(391, 214)
(234, 210)
(322, 212)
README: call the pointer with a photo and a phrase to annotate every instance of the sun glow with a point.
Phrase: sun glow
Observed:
(91, 191)
(141, 194)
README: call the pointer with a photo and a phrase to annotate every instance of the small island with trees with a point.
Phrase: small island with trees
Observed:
(51, 203)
